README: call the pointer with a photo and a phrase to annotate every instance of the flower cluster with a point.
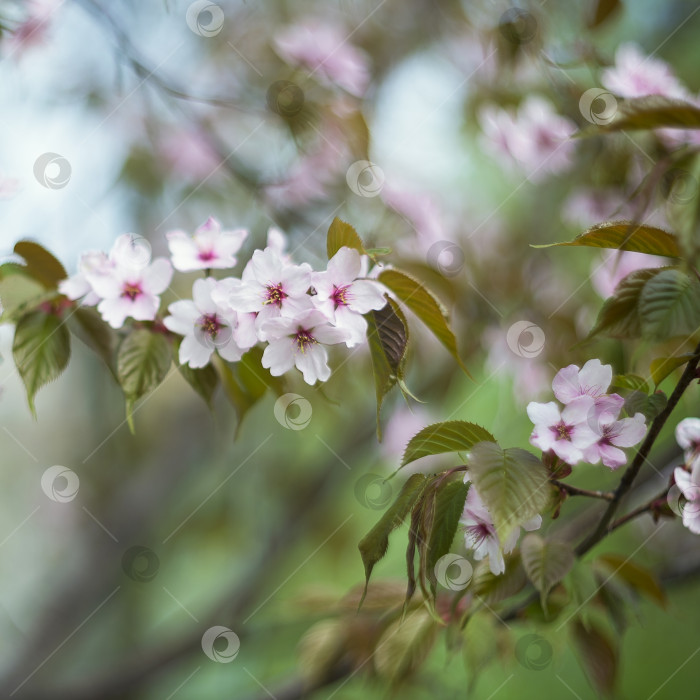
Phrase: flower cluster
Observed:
(588, 428)
(295, 310)
(687, 478)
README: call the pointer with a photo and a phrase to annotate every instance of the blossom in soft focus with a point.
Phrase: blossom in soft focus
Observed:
(34, 29)
(536, 137)
(300, 342)
(615, 433)
(206, 327)
(403, 423)
(324, 49)
(92, 263)
(269, 286)
(688, 437)
(208, 248)
(423, 213)
(480, 532)
(343, 298)
(188, 154)
(566, 432)
(616, 265)
(9, 186)
(689, 485)
(637, 75)
(593, 380)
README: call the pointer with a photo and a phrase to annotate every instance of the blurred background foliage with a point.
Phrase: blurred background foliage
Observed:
(163, 127)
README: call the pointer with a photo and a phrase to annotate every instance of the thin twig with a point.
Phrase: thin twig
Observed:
(576, 491)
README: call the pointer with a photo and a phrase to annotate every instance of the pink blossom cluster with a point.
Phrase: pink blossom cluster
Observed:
(588, 427)
(294, 309)
(687, 477)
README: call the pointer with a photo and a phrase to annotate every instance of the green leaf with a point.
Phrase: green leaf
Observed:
(387, 334)
(41, 265)
(494, 589)
(640, 579)
(20, 294)
(649, 405)
(598, 655)
(633, 382)
(143, 361)
(653, 112)
(342, 234)
(439, 438)
(204, 381)
(513, 484)
(425, 306)
(546, 562)
(449, 504)
(669, 305)
(41, 350)
(88, 327)
(625, 235)
(404, 645)
(661, 367)
(619, 316)
(374, 544)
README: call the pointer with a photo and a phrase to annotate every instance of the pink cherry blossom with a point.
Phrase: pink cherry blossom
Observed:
(688, 437)
(343, 297)
(568, 432)
(324, 49)
(206, 327)
(208, 248)
(592, 380)
(637, 75)
(615, 434)
(689, 485)
(480, 532)
(92, 263)
(269, 287)
(299, 342)
(616, 266)
(188, 154)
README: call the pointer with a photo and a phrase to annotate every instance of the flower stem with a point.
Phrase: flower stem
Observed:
(576, 491)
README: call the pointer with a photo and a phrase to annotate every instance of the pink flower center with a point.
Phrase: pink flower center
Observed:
(478, 533)
(304, 339)
(206, 255)
(562, 431)
(340, 295)
(274, 295)
(132, 290)
(210, 325)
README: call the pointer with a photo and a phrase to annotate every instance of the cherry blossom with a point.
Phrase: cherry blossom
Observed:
(616, 266)
(480, 532)
(208, 248)
(206, 327)
(615, 434)
(269, 287)
(92, 263)
(299, 342)
(568, 432)
(592, 380)
(689, 485)
(688, 437)
(637, 75)
(343, 297)
(323, 48)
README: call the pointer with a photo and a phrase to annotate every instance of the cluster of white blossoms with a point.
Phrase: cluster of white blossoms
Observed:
(292, 308)
(588, 428)
(687, 477)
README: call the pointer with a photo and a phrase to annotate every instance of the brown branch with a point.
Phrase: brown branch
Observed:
(576, 491)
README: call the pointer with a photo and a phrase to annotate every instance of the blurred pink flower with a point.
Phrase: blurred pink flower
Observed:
(689, 485)
(588, 207)
(688, 437)
(616, 265)
(423, 213)
(208, 248)
(33, 30)
(188, 153)
(402, 425)
(9, 187)
(637, 75)
(536, 137)
(324, 49)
